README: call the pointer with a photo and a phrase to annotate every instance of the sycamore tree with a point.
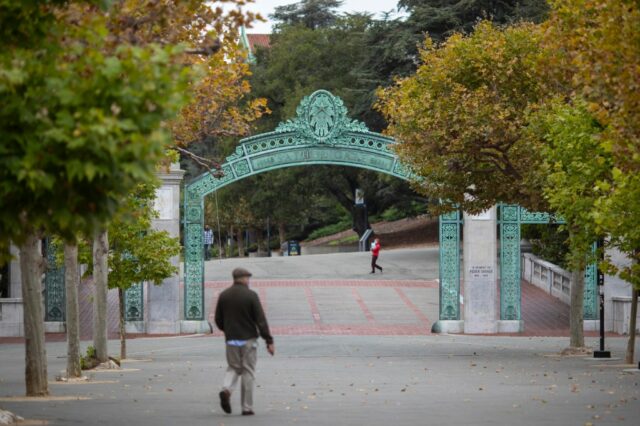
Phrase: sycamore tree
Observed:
(208, 35)
(596, 45)
(137, 252)
(618, 214)
(218, 107)
(466, 119)
(460, 118)
(575, 163)
(81, 126)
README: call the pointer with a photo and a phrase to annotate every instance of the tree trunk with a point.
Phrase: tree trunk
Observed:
(32, 268)
(282, 232)
(71, 283)
(631, 344)
(241, 242)
(123, 329)
(230, 241)
(100, 278)
(577, 308)
(260, 242)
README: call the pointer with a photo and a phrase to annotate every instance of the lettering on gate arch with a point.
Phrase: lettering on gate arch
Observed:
(322, 154)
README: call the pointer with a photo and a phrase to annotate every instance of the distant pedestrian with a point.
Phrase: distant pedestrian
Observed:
(207, 238)
(240, 316)
(375, 252)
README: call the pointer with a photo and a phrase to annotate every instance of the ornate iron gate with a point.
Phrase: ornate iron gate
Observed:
(321, 133)
(511, 217)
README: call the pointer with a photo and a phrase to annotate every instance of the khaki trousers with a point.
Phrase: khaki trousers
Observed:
(241, 362)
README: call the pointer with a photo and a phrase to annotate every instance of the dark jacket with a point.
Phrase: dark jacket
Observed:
(239, 314)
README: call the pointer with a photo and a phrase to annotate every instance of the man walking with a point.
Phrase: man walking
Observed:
(207, 238)
(240, 316)
(375, 252)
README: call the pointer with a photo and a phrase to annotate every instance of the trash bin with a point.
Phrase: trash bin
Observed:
(291, 248)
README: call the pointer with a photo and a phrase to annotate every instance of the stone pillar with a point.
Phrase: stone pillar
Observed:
(11, 307)
(163, 301)
(480, 265)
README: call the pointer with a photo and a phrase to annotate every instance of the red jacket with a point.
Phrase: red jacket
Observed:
(375, 250)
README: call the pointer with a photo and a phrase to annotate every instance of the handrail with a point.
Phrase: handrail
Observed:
(362, 244)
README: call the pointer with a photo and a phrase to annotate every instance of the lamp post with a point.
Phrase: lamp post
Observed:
(269, 236)
(602, 353)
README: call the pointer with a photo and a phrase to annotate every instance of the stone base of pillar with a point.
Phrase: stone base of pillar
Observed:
(163, 327)
(195, 327)
(55, 327)
(510, 326)
(135, 327)
(448, 327)
(481, 327)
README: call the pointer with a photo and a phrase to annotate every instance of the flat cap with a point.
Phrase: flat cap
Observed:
(240, 272)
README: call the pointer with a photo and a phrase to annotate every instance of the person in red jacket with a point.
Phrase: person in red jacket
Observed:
(375, 252)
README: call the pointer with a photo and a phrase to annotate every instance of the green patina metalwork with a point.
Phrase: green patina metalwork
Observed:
(511, 217)
(54, 286)
(134, 303)
(321, 133)
(450, 224)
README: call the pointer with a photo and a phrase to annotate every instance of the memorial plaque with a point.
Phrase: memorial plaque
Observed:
(483, 272)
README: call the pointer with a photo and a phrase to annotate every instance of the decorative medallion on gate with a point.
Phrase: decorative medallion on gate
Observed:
(322, 117)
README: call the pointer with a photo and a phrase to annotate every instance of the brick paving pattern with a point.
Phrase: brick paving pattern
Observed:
(346, 307)
(363, 307)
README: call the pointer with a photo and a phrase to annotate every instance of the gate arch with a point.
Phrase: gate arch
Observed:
(321, 133)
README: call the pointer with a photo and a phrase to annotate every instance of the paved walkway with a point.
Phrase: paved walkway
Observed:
(399, 264)
(342, 380)
(351, 307)
(335, 295)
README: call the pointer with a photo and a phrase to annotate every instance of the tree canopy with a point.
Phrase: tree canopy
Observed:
(81, 123)
(460, 118)
(312, 14)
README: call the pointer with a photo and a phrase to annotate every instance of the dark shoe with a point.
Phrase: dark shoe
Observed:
(224, 401)
(248, 413)
(372, 272)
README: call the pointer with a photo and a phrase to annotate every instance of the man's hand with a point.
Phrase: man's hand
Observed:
(271, 349)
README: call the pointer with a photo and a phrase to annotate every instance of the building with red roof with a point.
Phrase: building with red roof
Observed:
(252, 41)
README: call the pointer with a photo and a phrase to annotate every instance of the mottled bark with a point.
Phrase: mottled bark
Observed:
(32, 267)
(577, 309)
(100, 279)
(123, 329)
(631, 344)
(71, 283)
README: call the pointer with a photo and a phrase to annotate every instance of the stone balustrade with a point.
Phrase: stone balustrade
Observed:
(547, 276)
(557, 282)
